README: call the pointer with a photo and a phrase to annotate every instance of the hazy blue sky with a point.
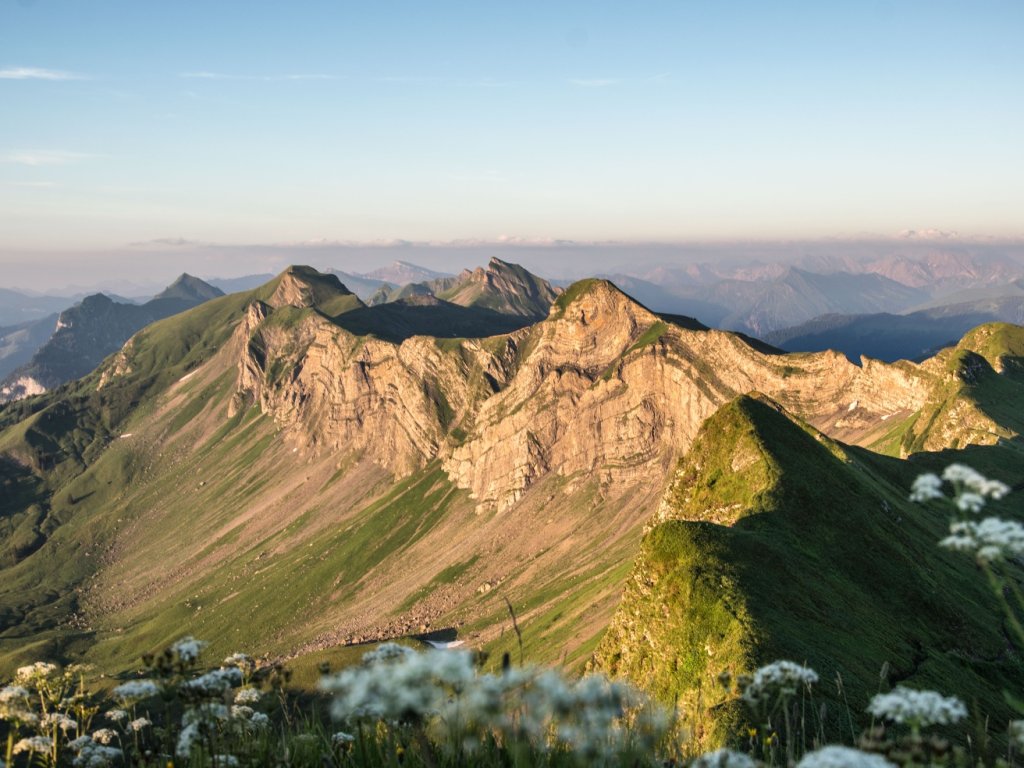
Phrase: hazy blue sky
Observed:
(276, 122)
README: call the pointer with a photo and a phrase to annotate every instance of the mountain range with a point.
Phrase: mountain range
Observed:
(653, 497)
(85, 334)
(911, 336)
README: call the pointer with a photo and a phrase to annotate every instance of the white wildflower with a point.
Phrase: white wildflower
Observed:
(204, 713)
(842, 757)
(13, 694)
(340, 738)
(214, 683)
(243, 661)
(963, 475)
(919, 709)
(242, 712)
(780, 678)
(188, 649)
(96, 756)
(990, 539)
(117, 715)
(59, 720)
(1016, 731)
(104, 736)
(224, 761)
(186, 740)
(33, 744)
(723, 758)
(139, 723)
(442, 690)
(40, 670)
(248, 696)
(136, 690)
(926, 487)
(259, 719)
(388, 653)
(969, 482)
(76, 744)
(396, 683)
(14, 705)
(969, 501)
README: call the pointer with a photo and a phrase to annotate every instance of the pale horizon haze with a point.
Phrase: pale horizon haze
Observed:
(228, 137)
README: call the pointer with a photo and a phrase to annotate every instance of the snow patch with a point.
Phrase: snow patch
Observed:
(444, 645)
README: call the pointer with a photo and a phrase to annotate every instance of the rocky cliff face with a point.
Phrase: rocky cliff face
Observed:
(601, 387)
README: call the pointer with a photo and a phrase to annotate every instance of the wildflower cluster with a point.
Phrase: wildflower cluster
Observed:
(970, 487)
(918, 709)
(778, 679)
(441, 693)
(46, 710)
(724, 758)
(990, 539)
(842, 757)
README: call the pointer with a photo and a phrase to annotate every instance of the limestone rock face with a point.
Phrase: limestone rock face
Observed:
(334, 391)
(600, 388)
(608, 387)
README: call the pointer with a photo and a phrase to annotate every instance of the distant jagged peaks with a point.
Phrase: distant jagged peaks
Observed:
(402, 272)
(189, 288)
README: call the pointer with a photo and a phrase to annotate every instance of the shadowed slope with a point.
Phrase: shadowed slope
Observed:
(775, 542)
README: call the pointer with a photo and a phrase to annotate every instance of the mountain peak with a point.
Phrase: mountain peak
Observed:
(746, 440)
(189, 288)
(503, 287)
(303, 286)
(596, 291)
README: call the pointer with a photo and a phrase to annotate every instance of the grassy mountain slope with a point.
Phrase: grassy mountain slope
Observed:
(977, 400)
(261, 472)
(169, 507)
(775, 542)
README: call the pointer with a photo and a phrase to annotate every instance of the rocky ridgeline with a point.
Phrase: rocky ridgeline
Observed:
(601, 386)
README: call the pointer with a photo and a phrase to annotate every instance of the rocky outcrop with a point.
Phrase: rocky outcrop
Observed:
(608, 388)
(601, 388)
(507, 288)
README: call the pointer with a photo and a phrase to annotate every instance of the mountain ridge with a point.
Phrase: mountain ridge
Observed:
(377, 486)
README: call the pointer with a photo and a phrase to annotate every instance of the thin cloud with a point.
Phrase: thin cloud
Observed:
(596, 82)
(256, 78)
(40, 157)
(37, 73)
(32, 184)
(173, 242)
